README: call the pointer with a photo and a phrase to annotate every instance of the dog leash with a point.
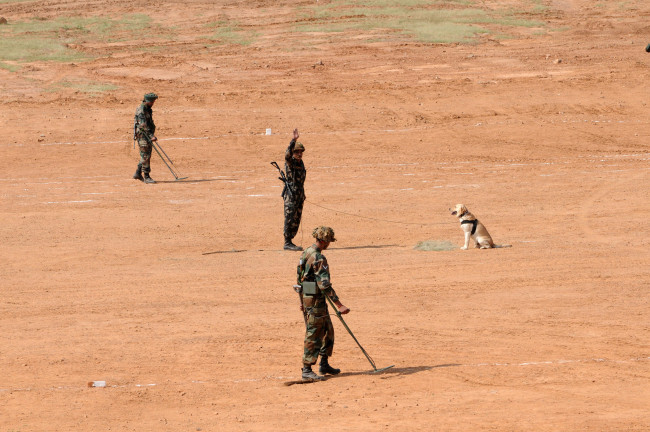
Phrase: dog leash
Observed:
(375, 219)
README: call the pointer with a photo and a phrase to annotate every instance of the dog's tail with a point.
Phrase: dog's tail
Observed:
(502, 246)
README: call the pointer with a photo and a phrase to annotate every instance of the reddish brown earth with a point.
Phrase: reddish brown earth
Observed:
(105, 278)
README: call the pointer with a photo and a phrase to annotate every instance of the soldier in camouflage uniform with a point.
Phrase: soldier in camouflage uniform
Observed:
(145, 129)
(319, 335)
(294, 192)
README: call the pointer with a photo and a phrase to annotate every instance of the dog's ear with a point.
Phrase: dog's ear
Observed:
(460, 208)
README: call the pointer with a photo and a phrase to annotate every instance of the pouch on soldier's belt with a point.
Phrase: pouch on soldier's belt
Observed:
(310, 288)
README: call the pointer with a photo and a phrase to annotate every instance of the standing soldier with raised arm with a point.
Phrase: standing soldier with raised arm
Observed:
(144, 130)
(294, 192)
(314, 277)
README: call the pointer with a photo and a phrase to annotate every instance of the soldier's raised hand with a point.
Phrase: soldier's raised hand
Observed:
(296, 135)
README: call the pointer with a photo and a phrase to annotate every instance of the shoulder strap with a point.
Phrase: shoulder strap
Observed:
(473, 222)
(306, 264)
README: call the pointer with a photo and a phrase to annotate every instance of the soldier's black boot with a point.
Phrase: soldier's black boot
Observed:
(325, 367)
(148, 179)
(288, 245)
(138, 173)
(308, 374)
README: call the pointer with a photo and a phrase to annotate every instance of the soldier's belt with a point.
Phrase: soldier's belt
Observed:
(318, 311)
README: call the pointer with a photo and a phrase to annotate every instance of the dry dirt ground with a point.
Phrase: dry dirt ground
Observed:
(178, 294)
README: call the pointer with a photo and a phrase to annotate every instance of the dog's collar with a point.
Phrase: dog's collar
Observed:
(473, 222)
(463, 214)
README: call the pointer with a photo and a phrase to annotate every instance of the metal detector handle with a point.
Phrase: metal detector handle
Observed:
(338, 314)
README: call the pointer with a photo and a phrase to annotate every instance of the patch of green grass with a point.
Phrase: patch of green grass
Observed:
(417, 18)
(317, 28)
(539, 7)
(46, 40)
(151, 49)
(97, 28)
(446, 32)
(377, 40)
(400, 3)
(29, 49)
(230, 33)
(433, 26)
(512, 21)
(92, 87)
(9, 67)
(435, 245)
(89, 86)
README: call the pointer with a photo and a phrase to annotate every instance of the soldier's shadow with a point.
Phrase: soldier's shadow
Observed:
(393, 372)
(366, 247)
(188, 180)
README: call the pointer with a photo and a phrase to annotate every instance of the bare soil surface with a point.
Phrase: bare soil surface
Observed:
(179, 296)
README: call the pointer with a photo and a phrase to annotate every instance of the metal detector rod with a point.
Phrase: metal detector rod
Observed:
(163, 150)
(155, 146)
(338, 314)
(163, 159)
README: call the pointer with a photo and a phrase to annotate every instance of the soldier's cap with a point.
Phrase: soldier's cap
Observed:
(150, 97)
(299, 147)
(324, 233)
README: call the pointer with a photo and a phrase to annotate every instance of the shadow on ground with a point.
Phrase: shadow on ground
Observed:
(281, 250)
(366, 247)
(384, 374)
(188, 180)
(396, 371)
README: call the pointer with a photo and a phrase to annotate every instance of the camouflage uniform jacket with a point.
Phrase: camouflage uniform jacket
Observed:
(144, 121)
(296, 174)
(313, 267)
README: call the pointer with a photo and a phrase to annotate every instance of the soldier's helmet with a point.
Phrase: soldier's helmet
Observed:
(324, 233)
(150, 97)
(299, 147)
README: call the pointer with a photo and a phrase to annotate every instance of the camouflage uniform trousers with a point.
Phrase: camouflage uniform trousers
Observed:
(145, 155)
(292, 216)
(319, 338)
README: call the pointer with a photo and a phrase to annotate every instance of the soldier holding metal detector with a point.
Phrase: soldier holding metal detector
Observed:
(315, 291)
(314, 286)
(143, 131)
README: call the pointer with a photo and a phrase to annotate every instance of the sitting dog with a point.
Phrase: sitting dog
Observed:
(473, 229)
